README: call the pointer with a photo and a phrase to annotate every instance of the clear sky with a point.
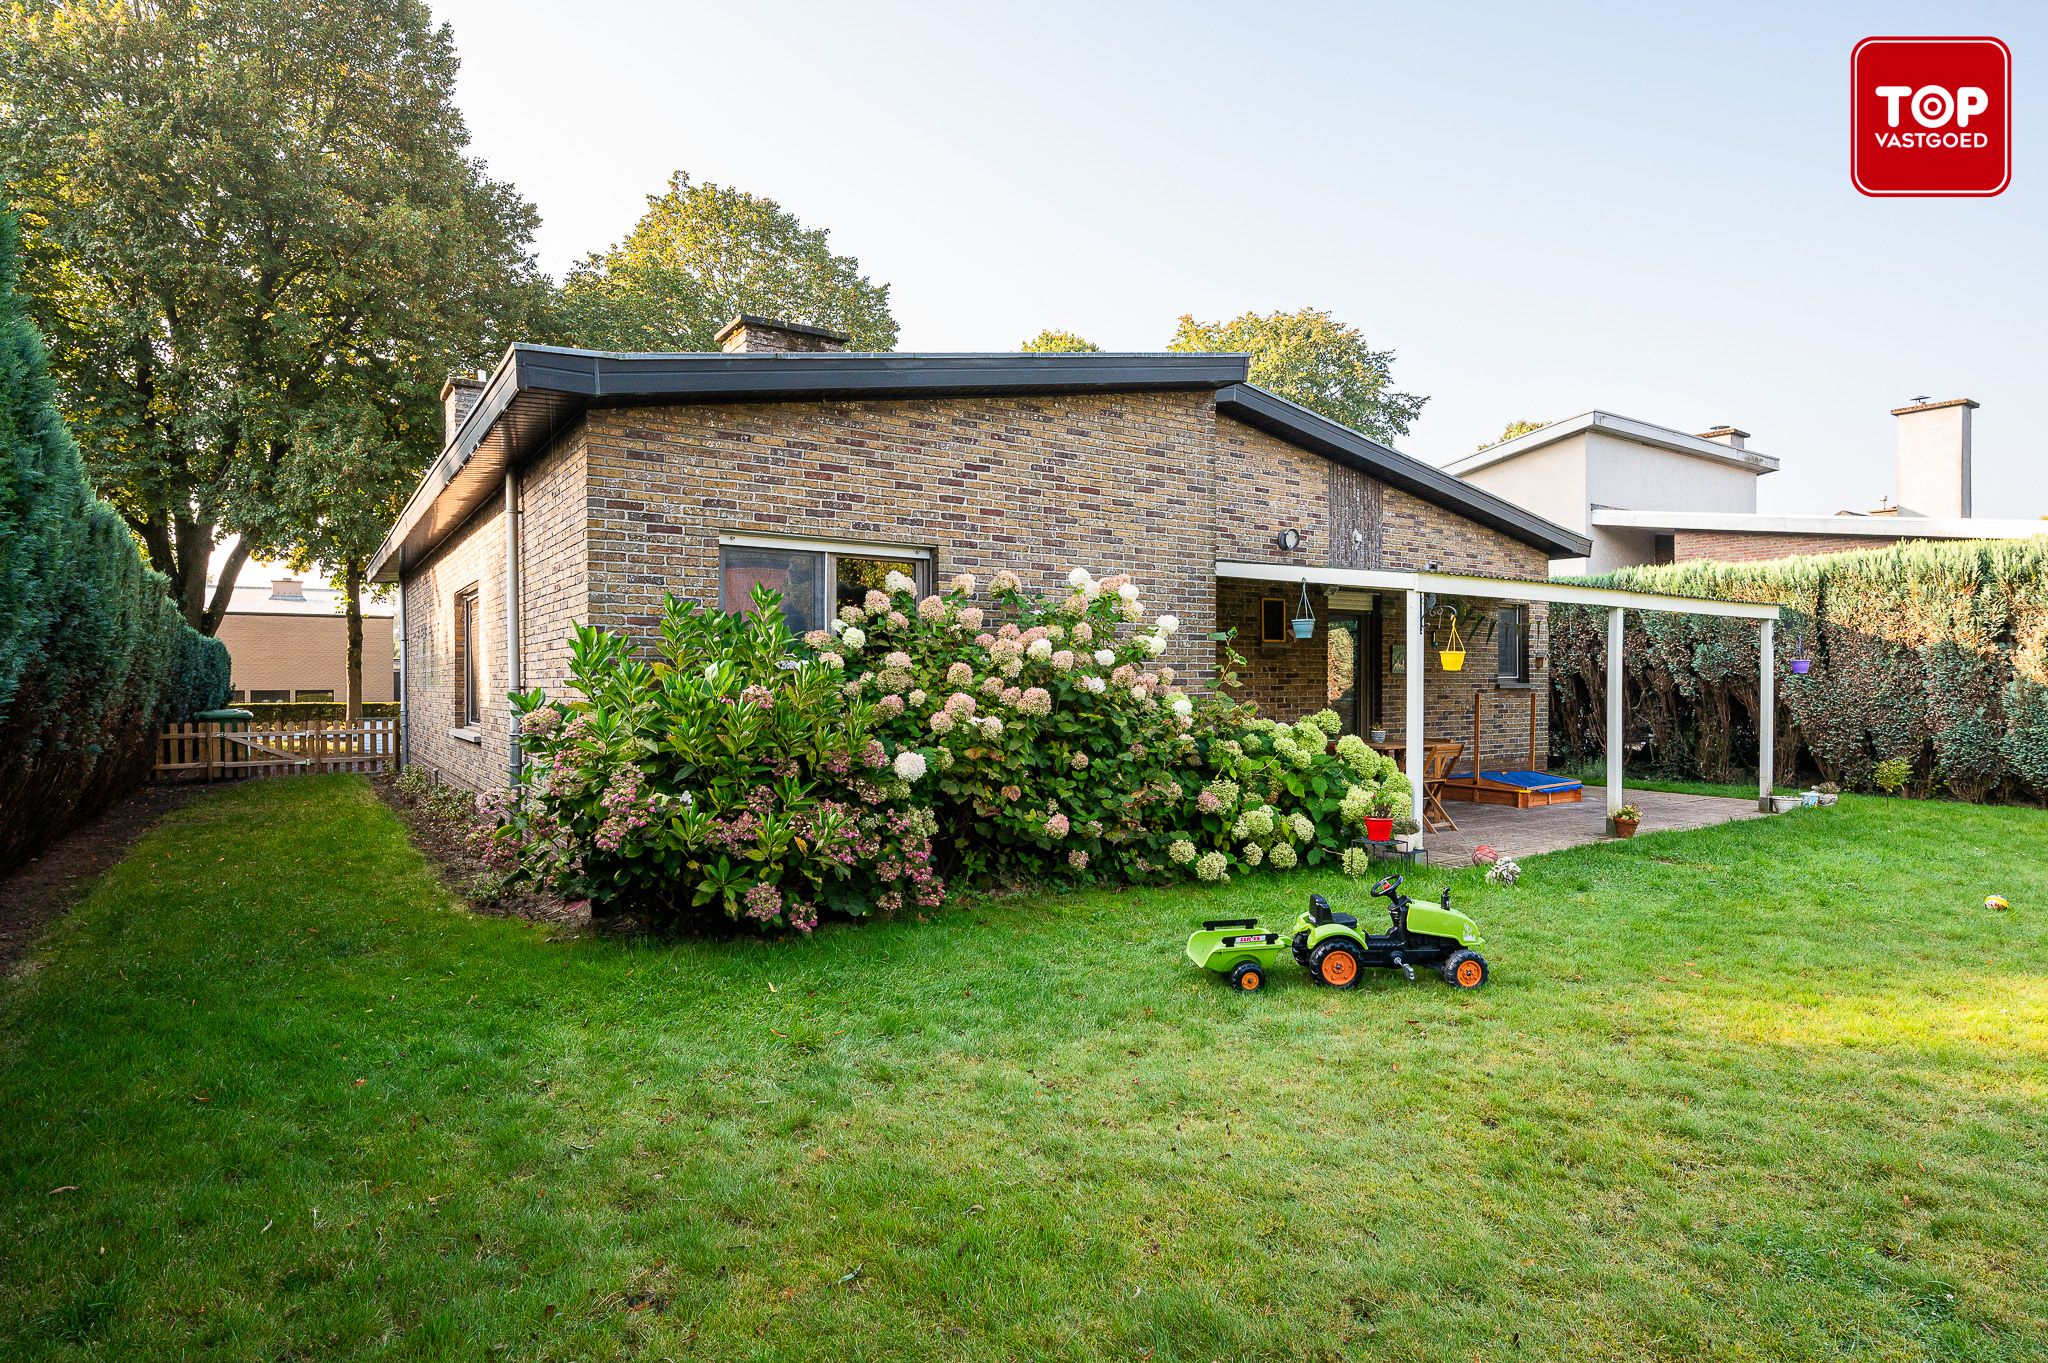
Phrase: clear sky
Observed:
(1542, 209)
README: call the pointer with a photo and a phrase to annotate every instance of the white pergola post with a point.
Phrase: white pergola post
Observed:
(1413, 720)
(1614, 744)
(1766, 716)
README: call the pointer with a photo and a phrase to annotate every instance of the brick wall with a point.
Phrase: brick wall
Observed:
(1156, 484)
(554, 512)
(1743, 546)
(277, 652)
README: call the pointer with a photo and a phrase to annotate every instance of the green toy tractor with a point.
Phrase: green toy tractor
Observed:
(1330, 947)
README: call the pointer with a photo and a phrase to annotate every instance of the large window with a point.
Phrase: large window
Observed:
(467, 710)
(814, 578)
(1513, 633)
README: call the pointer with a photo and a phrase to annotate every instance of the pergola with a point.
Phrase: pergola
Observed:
(1414, 586)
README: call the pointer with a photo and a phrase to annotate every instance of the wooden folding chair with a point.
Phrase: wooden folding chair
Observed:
(1437, 761)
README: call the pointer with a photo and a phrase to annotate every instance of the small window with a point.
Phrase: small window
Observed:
(814, 583)
(1513, 632)
(269, 697)
(1273, 620)
(467, 711)
(327, 694)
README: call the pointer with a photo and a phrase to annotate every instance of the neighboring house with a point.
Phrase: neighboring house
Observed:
(580, 486)
(1650, 494)
(289, 641)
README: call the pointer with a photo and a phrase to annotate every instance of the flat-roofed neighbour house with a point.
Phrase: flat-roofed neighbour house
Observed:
(287, 640)
(578, 486)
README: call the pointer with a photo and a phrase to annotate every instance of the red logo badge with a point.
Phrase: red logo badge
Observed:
(1930, 117)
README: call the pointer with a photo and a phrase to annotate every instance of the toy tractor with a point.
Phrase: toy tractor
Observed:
(1330, 947)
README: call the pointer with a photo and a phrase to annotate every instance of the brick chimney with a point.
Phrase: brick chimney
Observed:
(1934, 457)
(747, 334)
(458, 396)
(1727, 435)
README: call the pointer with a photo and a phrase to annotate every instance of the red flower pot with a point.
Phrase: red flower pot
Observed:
(1379, 830)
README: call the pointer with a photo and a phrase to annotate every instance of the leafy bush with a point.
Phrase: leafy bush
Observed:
(273, 711)
(747, 773)
(1933, 654)
(1891, 775)
(199, 676)
(88, 636)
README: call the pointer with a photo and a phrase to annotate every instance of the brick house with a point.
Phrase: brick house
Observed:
(580, 486)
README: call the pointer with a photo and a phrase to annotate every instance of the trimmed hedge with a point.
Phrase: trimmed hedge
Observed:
(1931, 654)
(277, 711)
(93, 654)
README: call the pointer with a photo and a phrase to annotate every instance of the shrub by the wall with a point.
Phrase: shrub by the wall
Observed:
(1025, 740)
(1933, 657)
(200, 676)
(89, 640)
(282, 711)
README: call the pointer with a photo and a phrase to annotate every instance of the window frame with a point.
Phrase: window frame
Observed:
(1518, 633)
(921, 562)
(468, 706)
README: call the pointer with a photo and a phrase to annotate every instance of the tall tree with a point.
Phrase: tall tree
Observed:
(234, 210)
(1512, 430)
(1060, 342)
(703, 253)
(1311, 358)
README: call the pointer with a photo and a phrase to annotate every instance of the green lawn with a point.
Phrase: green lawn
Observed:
(1770, 1090)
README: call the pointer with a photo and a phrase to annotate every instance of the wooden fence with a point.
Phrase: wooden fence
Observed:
(219, 752)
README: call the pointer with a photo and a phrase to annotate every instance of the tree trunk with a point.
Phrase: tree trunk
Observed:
(352, 587)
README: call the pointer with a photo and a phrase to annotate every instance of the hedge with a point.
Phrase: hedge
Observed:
(93, 654)
(281, 711)
(1932, 654)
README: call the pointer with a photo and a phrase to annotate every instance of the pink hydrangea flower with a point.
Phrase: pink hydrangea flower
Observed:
(931, 608)
(1036, 700)
(1058, 825)
(875, 601)
(1063, 660)
(970, 617)
(1005, 581)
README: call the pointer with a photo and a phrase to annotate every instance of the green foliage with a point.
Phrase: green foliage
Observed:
(1059, 342)
(1510, 432)
(91, 650)
(270, 711)
(1891, 775)
(1934, 655)
(237, 213)
(702, 254)
(200, 675)
(1032, 739)
(1311, 358)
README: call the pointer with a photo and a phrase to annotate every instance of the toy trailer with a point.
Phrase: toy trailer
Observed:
(1237, 948)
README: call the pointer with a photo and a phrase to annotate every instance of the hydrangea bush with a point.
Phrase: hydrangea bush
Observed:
(1003, 737)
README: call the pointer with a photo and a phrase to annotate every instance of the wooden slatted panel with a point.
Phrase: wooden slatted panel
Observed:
(212, 752)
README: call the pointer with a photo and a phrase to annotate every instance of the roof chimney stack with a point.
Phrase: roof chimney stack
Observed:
(458, 397)
(1934, 457)
(747, 334)
(1727, 435)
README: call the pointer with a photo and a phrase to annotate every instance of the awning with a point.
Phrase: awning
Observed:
(1491, 588)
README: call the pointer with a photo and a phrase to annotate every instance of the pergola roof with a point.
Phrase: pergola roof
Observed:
(1492, 588)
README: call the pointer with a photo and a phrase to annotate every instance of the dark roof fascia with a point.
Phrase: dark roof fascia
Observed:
(555, 385)
(1297, 425)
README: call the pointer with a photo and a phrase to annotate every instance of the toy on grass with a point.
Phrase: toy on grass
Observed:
(1332, 949)
(1996, 901)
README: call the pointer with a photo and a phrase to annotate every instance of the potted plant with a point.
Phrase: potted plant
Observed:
(1379, 733)
(1828, 791)
(1626, 820)
(1404, 830)
(1305, 623)
(1379, 817)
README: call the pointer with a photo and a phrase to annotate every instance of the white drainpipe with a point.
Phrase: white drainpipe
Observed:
(512, 610)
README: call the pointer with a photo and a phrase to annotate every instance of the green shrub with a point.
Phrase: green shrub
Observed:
(89, 638)
(746, 773)
(199, 676)
(1931, 653)
(1891, 775)
(279, 711)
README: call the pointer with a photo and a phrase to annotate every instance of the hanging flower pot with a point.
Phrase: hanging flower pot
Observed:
(1801, 664)
(1305, 623)
(1452, 654)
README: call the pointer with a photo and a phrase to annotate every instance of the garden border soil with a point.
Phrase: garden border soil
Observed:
(46, 887)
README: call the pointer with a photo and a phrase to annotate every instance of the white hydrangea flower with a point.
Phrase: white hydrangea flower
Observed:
(909, 764)
(1154, 645)
(1095, 684)
(854, 639)
(1182, 706)
(1080, 577)
(1040, 649)
(1129, 591)
(1104, 658)
(898, 582)
(1169, 625)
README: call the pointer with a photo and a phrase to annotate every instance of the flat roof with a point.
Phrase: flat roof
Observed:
(538, 392)
(1624, 428)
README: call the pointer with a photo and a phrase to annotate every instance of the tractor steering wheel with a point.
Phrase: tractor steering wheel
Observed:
(1387, 886)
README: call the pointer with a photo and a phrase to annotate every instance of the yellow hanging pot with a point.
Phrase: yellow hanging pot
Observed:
(1452, 654)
